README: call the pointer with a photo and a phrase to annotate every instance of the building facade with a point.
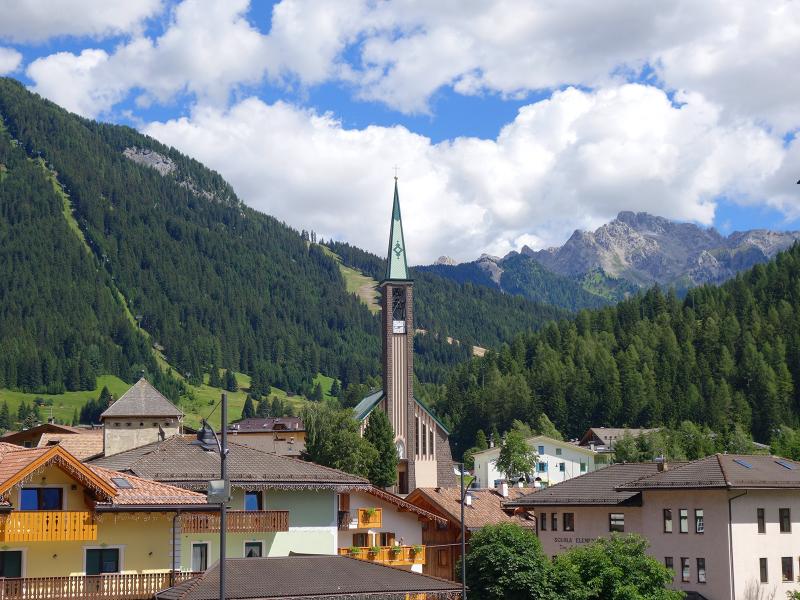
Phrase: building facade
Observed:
(726, 525)
(420, 438)
(556, 461)
(281, 435)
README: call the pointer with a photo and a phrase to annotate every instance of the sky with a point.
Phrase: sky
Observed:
(510, 122)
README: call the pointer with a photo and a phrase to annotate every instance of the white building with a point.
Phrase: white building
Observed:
(557, 461)
(724, 524)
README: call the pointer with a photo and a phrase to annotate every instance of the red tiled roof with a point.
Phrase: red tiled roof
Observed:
(486, 508)
(146, 492)
(82, 446)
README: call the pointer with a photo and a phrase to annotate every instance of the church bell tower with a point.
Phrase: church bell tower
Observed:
(397, 302)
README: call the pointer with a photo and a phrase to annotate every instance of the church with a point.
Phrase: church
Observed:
(420, 438)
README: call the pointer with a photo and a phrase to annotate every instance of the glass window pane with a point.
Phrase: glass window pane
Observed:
(785, 520)
(569, 521)
(199, 557)
(667, 520)
(11, 563)
(762, 526)
(29, 499)
(684, 520)
(93, 561)
(252, 501)
(50, 498)
(684, 569)
(701, 570)
(543, 522)
(787, 568)
(616, 522)
(109, 560)
(554, 522)
(699, 522)
(252, 550)
(762, 567)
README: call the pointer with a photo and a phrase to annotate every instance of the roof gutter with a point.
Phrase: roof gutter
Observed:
(157, 508)
(730, 541)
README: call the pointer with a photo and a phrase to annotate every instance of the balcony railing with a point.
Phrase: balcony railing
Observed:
(390, 555)
(90, 587)
(242, 521)
(370, 517)
(47, 526)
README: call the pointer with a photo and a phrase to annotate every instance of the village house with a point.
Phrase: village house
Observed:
(68, 528)
(32, 436)
(556, 461)
(281, 435)
(482, 507)
(725, 524)
(279, 505)
(602, 440)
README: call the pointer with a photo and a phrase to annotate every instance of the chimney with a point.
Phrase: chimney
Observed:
(504, 488)
(467, 498)
(51, 420)
(661, 464)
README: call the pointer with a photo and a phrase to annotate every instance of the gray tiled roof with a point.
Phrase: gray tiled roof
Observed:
(142, 400)
(596, 487)
(178, 461)
(724, 471)
(304, 576)
(269, 424)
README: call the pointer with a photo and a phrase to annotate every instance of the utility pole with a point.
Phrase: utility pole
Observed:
(463, 537)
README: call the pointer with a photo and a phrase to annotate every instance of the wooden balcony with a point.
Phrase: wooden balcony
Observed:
(47, 526)
(389, 555)
(370, 518)
(90, 587)
(242, 521)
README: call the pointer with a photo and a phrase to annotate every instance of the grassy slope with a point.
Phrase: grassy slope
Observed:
(357, 283)
(205, 397)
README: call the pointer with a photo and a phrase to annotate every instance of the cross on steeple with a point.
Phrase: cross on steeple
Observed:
(395, 173)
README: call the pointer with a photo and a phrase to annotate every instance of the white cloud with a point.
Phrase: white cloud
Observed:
(10, 60)
(575, 159)
(36, 21)
(208, 48)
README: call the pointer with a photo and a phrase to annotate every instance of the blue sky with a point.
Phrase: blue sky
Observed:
(512, 122)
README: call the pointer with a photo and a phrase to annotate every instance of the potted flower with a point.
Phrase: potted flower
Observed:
(416, 550)
(394, 551)
(354, 551)
(374, 551)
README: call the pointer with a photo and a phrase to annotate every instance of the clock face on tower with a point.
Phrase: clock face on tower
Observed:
(398, 310)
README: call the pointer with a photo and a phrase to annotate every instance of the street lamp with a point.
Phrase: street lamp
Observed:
(219, 490)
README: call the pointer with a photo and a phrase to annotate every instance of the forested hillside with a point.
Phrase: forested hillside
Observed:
(723, 355)
(103, 227)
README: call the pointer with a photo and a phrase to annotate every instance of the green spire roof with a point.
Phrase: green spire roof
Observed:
(397, 265)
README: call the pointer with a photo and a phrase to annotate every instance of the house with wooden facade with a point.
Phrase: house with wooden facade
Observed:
(71, 530)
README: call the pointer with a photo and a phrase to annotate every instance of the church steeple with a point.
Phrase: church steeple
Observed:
(396, 264)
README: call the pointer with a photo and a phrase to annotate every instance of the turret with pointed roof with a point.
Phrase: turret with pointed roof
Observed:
(141, 416)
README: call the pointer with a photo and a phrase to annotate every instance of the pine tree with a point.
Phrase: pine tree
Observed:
(230, 381)
(248, 410)
(262, 410)
(480, 441)
(335, 388)
(316, 394)
(75, 418)
(213, 377)
(277, 407)
(378, 432)
(105, 399)
(5, 417)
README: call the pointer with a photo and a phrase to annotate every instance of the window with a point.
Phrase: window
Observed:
(253, 550)
(442, 557)
(387, 538)
(417, 430)
(701, 570)
(569, 521)
(102, 560)
(199, 557)
(11, 563)
(762, 568)
(541, 467)
(583, 467)
(785, 517)
(360, 539)
(616, 522)
(762, 526)
(699, 522)
(667, 520)
(554, 522)
(684, 569)
(541, 450)
(430, 440)
(787, 568)
(424, 440)
(558, 451)
(684, 520)
(41, 498)
(543, 521)
(253, 501)
(670, 564)
(562, 466)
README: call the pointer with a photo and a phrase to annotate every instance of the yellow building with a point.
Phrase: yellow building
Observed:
(70, 530)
